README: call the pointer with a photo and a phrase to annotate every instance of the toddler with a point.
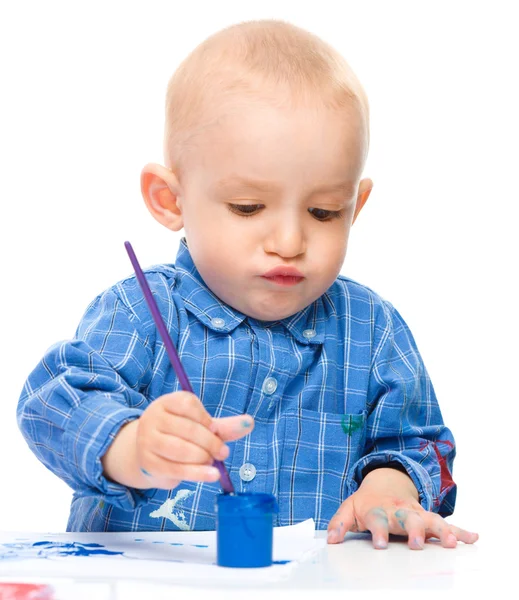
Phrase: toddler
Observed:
(308, 384)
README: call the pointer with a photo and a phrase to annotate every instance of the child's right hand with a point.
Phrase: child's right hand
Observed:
(175, 439)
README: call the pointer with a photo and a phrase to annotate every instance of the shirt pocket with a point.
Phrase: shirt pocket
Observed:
(318, 451)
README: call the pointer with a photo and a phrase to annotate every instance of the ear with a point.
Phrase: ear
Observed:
(160, 189)
(365, 187)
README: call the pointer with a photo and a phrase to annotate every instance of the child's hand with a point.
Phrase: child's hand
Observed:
(174, 439)
(387, 502)
(177, 439)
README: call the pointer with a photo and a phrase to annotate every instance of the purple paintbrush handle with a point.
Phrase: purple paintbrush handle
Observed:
(225, 480)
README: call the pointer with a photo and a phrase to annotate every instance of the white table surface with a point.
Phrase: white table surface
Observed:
(352, 569)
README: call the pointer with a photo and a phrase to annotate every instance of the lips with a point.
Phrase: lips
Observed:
(283, 272)
(284, 276)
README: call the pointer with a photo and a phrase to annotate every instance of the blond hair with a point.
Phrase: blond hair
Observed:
(251, 61)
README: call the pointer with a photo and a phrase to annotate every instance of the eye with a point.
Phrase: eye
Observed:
(325, 215)
(245, 210)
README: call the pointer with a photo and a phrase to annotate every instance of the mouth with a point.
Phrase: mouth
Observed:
(286, 276)
(284, 279)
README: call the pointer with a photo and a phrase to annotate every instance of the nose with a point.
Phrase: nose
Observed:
(286, 237)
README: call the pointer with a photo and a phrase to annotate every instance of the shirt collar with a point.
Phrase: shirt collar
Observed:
(307, 326)
(198, 298)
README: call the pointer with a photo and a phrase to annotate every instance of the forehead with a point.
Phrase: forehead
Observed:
(272, 147)
(236, 182)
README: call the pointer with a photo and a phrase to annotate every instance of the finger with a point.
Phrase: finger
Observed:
(159, 483)
(440, 529)
(411, 524)
(162, 469)
(176, 449)
(467, 537)
(194, 433)
(343, 521)
(232, 428)
(186, 404)
(377, 522)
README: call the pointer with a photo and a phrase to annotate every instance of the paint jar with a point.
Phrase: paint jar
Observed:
(244, 529)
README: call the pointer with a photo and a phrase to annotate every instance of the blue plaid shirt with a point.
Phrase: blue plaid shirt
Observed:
(335, 389)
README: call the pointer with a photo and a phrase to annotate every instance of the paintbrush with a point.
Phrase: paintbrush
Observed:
(225, 480)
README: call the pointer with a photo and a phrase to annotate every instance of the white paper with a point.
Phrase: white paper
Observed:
(179, 556)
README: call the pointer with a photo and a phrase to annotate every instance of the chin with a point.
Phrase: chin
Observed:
(266, 309)
(272, 315)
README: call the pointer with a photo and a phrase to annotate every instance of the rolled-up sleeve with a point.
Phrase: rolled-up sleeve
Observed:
(82, 392)
(405, 425)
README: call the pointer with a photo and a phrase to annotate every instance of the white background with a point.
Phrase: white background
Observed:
(82, 94)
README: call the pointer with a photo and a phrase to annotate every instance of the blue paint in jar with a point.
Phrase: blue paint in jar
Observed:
(244, 529)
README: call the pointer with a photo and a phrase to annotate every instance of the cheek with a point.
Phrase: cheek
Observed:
(215, 247)
(327, 258)
(333, 247)
(202, 229)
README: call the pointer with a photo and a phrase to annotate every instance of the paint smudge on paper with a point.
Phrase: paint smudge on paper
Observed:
(169, 510)
(45, 549)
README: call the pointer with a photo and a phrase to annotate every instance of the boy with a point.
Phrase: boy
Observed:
(315, 378)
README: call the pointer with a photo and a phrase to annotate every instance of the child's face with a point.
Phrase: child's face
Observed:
(267, 188)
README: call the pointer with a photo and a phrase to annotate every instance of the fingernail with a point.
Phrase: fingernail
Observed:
(334, 536)
(224, 452)
(417, 543)
(380, 544)
(213, 473)
(452, 540)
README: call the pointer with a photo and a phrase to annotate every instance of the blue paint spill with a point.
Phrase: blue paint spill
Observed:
(75, 549)
(46, 549)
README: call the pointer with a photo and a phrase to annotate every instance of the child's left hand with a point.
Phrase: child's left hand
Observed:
(387, 502)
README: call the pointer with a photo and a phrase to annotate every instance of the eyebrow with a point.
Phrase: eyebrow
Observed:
(345, 187)
(255, 184)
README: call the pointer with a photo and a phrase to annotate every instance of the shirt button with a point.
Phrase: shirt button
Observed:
(309, 333)
(217, 322)
(247, 472)
(270, 385)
